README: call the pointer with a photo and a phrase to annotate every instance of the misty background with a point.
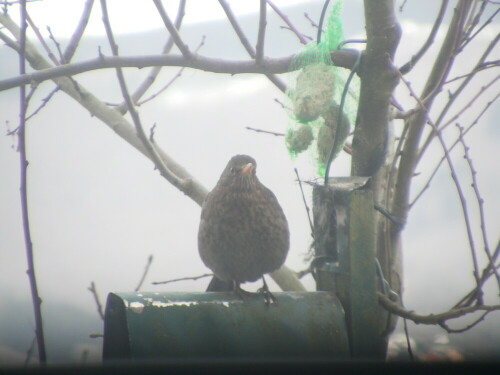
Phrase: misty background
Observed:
(98, 208)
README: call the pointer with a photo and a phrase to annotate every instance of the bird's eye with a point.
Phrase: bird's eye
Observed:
(233, 170)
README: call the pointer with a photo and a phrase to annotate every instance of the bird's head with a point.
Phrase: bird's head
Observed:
(240, 172)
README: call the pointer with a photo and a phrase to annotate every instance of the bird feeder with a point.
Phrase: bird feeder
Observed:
(337, 322)
(154, 326)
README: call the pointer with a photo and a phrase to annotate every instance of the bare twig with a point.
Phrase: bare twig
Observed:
(169, 83)
(29, 352)
(430, 39)
(248, 47)
(41, 40)
(58, 46)
(144, 274)
(269, 66)
(37, 301)
(265, 131)
(479, 68)
(92, 289)
(454, 96)
(481, 28)
(474, 123)
(480, 202)
(181, 184)
(259, 48)
(183, 279)
(155, 71)
(285, 19)
(313, 23)
(468, 105)
(487, 273)
(79, 30)
(458, 186)
(433, 319)
(44, 103)
(172, 30)
(467, 327)
(305, 202)
(236, 26)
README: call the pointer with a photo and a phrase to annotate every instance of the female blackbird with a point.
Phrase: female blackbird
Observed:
(243, 231)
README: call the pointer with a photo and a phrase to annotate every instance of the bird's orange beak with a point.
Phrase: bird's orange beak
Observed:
(248, 168)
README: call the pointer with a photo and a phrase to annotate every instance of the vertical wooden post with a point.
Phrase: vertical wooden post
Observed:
(344, 234)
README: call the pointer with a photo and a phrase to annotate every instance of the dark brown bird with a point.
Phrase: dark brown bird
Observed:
(243, 231)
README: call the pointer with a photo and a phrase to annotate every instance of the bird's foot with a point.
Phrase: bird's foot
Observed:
(241, 292)
(268, 296)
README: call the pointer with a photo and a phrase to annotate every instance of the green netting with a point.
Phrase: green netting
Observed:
(313, 94)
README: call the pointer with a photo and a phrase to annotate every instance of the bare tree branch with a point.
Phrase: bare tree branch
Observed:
(92, 289)
(454, 96)
(35, 296)
(458, 186)
(430, 40)
(480, 203)
(259, 48)
(172, 30)
(248, 47)
(153, 74)
(145, 273)
(438, 74)
(183, 279)
(285, 19)
(433, 319)
(42, 40)
(79, 30)
(467, 129)
(182, 185)
(268, 66)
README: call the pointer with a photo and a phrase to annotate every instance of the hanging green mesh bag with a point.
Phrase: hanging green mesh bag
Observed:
(314, 91)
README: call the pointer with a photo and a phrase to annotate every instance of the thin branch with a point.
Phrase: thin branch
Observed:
(305, 202)
(480, 201)
(259, 48)
(246, 44)
(36, 300)
(92, 289)
(487, 273)
(236, 26)
(432, 319)
(313, 23)
(265, 131)
(461, 196)
(58, 46)
(467, 327)
(344, 58)
(79, 30)
(483, 26)
(155, 71)
(164, 88)
(181, 184)
(481, 91)
(285, 19)
(144, 274)
(44, 103)
(29, 352)
(183, 279)
(479, 68)
(430, 40)
(455, 95)
(172, 30)
(474, 123)
(41, 40)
